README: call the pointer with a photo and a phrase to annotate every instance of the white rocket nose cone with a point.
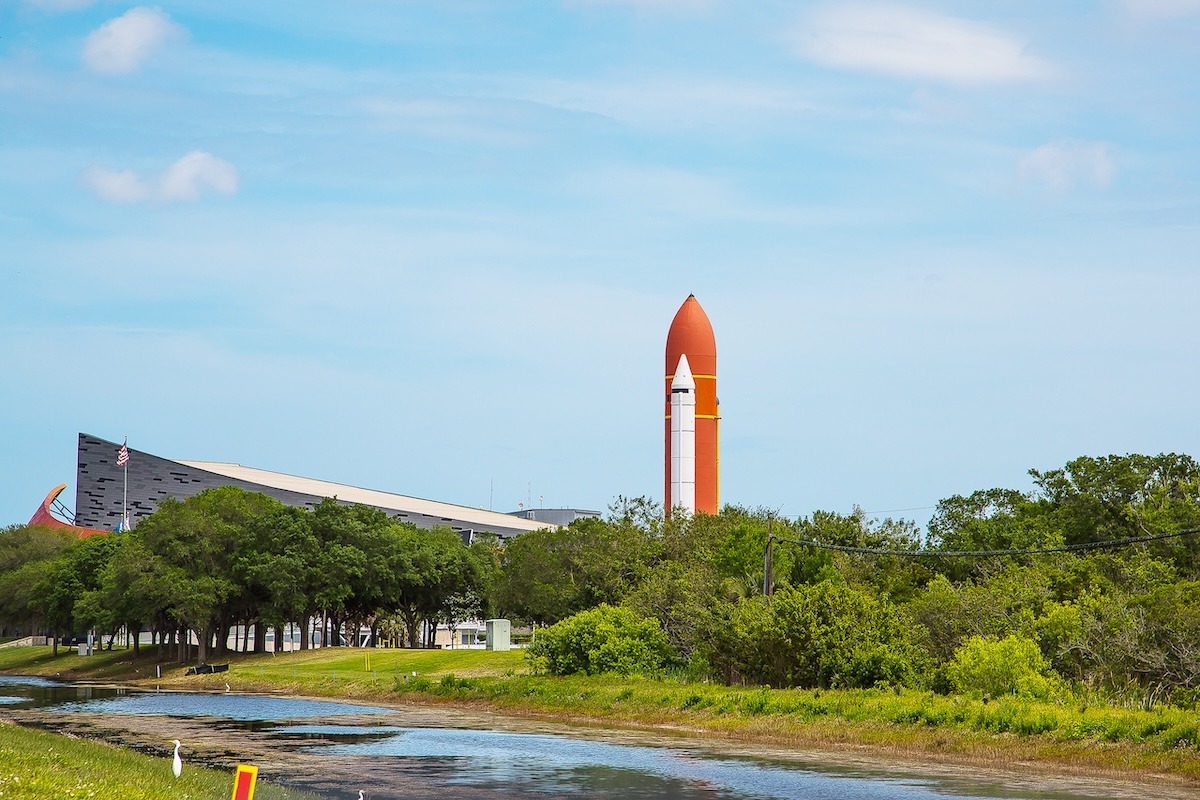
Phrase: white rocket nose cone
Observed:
(683, 380)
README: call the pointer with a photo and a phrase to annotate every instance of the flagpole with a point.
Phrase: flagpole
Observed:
(125, 493)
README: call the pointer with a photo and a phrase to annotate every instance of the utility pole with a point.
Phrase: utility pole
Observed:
(768, 561)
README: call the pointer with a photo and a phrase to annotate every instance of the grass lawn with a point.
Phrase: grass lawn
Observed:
(39, 765)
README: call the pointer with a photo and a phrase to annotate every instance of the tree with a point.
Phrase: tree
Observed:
(27, 555)
(130, 591)
(279, 566)
(550, 574)
(54, 596)
(1098, 499)
(430, 568)
(341, 562)
(196, 543)
(22, 544)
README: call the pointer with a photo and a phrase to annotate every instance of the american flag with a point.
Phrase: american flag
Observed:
(123, 455)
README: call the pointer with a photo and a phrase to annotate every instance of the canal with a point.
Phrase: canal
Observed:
(335, 749)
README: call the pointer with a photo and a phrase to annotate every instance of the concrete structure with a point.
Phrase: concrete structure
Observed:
(99, 486)
(691, 343)
(499, 635)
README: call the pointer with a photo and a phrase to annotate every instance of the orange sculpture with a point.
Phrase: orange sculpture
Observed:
(44, 518)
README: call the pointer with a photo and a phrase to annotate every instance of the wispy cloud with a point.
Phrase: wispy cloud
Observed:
(124, 44)
(1061, 166)
(912, 43)
(185, 179)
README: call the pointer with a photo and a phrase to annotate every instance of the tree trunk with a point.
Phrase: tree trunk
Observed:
(222, 643)
(54, 639)
(410, 629)
(202, 637)
(304, 642)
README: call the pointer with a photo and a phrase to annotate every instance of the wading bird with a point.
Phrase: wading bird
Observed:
(177, 762)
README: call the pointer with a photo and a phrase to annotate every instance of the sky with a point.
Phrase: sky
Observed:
(434, 248)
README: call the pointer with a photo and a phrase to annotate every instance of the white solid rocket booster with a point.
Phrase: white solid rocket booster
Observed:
(683, 438)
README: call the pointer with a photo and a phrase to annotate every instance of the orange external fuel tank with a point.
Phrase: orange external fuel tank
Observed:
(691, 334)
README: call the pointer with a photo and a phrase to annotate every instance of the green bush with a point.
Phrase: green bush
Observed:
(827, 635)
(1010, 666)
(604, 639)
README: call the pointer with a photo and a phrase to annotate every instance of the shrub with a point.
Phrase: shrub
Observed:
(604, 639)
(827, 635)
(1010, 666)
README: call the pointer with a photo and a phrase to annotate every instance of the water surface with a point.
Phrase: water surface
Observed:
(334, 749)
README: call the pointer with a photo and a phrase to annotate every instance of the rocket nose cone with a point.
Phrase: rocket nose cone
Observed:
(683, 380)
(692, 333)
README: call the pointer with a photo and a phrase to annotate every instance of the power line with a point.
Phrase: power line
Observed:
(1066, 548)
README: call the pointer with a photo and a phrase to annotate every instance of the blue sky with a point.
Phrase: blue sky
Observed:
(434, 248)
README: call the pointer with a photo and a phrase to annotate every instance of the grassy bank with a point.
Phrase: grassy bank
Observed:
(35, 764)
(910, 724)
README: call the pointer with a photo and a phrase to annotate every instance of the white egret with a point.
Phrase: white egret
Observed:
(177, 762)
(360, 795)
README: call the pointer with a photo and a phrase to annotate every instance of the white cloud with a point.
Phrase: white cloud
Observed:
(122, 186)
(1060, 166)
(185, 179)
(1162, 8)
(910, 43)
(123, 44)
(198, 170)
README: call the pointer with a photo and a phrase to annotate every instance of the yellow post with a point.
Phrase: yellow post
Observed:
(243, 782)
